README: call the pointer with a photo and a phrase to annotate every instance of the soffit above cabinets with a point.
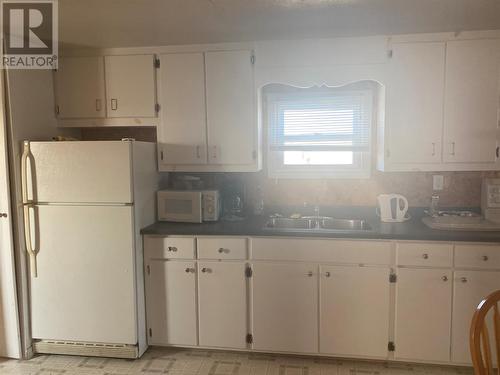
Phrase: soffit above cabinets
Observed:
(127, 23)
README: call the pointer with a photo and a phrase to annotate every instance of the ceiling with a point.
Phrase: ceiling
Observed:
(127, 23)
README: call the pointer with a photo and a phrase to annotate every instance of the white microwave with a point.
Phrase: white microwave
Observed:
(189, 206)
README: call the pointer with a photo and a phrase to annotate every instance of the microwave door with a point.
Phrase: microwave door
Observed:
(180, 206)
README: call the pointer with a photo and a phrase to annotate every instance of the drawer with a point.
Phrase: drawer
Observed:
(477, 256)
(424, 254)
(321, 250)
(222, 248)
(169, 247)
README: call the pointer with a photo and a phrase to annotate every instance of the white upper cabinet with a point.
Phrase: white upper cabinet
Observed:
(471, 101)
(230, 107)
(414, 95)
(79, 87)
(183, 133)
(130, 86)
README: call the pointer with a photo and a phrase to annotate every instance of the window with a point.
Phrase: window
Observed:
(319, 133)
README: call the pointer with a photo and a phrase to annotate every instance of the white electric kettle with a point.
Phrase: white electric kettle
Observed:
(392, 208)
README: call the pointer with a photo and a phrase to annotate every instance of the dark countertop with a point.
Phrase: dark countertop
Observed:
(414, 229)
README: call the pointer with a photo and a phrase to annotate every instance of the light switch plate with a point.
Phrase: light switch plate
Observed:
(438, 182)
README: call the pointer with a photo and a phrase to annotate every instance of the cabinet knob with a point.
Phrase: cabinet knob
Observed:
(425, 256)
(328, 274)
(310, 273)
(485, 258)
(222, 250)
(463, 279)
(206, 270)
(444, 278)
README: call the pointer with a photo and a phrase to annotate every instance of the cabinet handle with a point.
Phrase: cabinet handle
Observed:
(485, 258)
(172, 248)
(310, 273)
(189, 270)
(463, 279)
(198, 155)
(452, 152)
(206, 270)
(114, 104)
(444, 278)
(328, 274)
(433, 149)
(222, 250)
(98, 105)
(425, 256)
(2, 214)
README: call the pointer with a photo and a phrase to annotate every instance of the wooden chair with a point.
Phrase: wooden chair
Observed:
(479, 339)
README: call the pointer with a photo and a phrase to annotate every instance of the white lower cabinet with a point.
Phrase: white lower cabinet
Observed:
(222, 296)
(423, 314)
(354, 312)
(285, 307)
(171, 302)
(470, 288)
(328, 296)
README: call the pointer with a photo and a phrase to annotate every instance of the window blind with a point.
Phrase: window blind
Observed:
(326, 122)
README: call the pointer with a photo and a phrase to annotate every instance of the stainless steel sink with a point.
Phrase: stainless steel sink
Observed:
(285, 223)
(322, 224)
(344, 224)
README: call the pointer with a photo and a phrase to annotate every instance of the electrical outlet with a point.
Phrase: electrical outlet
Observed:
(438, 182)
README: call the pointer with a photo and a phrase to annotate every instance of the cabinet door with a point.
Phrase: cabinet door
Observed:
(130, 86)
(285, 307)
(347, 326)
(171, 302)
(423, 315)
(471, 100)
(222, 294)
(183, 129)
(79, 87)
(231, 117)
(414, 103)
(471, 287)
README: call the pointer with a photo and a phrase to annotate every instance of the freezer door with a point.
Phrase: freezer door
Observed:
(85, 289)
(79, 172)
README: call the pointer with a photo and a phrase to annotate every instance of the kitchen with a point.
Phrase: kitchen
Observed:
(190, 181)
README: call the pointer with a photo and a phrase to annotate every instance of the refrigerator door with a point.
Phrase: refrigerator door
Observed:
(79, 172)
(85, 289)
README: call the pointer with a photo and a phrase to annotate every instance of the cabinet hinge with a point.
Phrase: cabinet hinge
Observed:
(161, 155)
(157, 107)
(148, 269)
(390, 53)
(150, 332)
(391, 346)
(249, 339)
(393, 278)
(57, 109)
(157, 63)
(248, 272)
(252, 59)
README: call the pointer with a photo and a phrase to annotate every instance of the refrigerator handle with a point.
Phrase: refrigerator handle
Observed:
(24, 171)
(26, 207)
(27, 239)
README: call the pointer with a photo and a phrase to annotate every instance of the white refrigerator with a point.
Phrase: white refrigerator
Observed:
(84, 206)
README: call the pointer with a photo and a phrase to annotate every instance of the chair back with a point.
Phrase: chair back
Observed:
(480, 347)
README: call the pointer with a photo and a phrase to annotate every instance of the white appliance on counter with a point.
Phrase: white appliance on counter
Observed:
(84, 206)
(392, 208)
(190, 206)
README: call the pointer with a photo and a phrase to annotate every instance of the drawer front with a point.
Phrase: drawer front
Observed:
(477, 256)
(169, 247)
(322, 250)
(222, 248)
(424, 254)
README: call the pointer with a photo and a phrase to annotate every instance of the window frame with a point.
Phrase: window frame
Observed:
(362, 160)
